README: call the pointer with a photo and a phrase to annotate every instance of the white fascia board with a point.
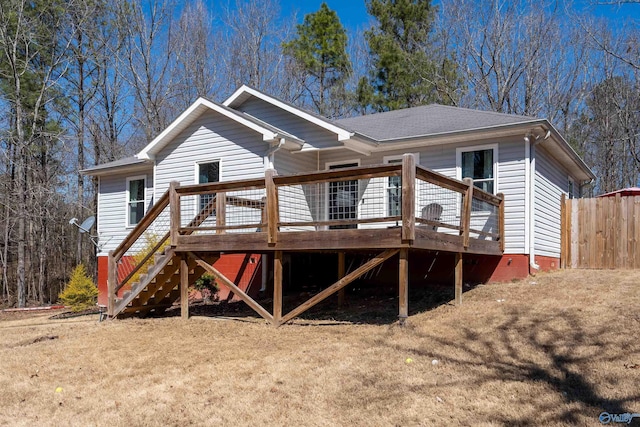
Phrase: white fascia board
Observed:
(188, 116)
(343, 134)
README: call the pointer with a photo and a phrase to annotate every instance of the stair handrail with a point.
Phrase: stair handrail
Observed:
(142, 226)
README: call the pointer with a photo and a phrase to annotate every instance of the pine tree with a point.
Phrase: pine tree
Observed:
(407, 70)
(320, 50)
(80, 293)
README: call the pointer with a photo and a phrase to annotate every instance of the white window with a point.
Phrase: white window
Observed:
(136, 187)
(343, 197)
(207, 172)
(479, 164)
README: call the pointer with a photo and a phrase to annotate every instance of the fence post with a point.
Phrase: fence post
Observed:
(408, 197)
(112, 277)
(272, 207)
(465, 215)
(174, 213)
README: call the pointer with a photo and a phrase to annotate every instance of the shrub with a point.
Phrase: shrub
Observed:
(207, 287)
(151, 240)
(80, 292)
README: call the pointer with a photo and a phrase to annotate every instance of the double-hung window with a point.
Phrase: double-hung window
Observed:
(135, 199)
(479, 164)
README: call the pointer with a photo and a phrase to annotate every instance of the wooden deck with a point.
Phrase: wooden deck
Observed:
(389, 209)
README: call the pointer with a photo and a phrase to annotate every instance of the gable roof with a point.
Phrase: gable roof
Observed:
(427, 120)
(269, 132)
(244, 92)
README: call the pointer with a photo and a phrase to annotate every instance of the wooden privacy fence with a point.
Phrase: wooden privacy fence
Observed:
(600, 233)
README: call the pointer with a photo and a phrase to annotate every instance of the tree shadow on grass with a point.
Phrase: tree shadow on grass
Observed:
(558, 352)
(372, 305)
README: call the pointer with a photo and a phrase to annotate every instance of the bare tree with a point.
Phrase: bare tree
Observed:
(148, 61)
(254, 36)
(517, 57)
(196, 45)
(33, 55)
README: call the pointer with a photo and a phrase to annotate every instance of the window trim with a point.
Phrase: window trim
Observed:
(494, 147)
(393, 159)
(196, 177)
(327, 166)
(127, 221)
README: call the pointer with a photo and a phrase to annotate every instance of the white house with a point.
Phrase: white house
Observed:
(524, 158)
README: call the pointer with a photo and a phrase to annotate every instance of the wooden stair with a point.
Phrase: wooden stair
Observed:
(159, 288)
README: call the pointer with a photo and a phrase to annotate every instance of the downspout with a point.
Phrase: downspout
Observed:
(532, 197)
(268, 156)
(268, 164)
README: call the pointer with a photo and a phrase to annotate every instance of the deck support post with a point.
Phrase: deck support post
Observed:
(174, 213)
(408, 198)
(184, 287)
(277, 288)
(465, 215)
(112, 276)
(403, 286)
(341, 273)
(458, 278)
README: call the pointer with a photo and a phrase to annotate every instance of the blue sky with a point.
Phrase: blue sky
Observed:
(353, 13)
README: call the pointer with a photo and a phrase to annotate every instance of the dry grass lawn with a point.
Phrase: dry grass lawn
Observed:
(556, 349)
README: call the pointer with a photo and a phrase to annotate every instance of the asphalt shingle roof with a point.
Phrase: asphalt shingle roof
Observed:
(426, 120)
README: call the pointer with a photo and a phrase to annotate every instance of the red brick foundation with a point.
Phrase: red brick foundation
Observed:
(229, 265)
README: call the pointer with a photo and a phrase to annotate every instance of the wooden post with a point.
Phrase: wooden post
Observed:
(563, 231)
(272, 207)
(408, 197)
(277, 288)
(465, 215)
(458, 278)
(228, 283)
(112, 278)
(321, 296)
(221, 211)
(184, 287)
(501, 221)
(403, 286)
(174, 213)
(341, 273)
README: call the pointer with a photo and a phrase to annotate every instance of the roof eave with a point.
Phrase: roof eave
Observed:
(132, 167)
(189, 116)
(343, 134)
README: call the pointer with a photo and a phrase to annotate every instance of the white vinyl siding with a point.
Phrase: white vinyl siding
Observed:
(112, 208)
(211, 136)
(313, 135)
(291, 198)
(551, 183)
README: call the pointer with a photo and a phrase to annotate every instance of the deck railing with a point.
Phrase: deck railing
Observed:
(407, 196)
(381, 196)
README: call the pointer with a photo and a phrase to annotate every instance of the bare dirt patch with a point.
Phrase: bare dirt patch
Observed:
(557, 349)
